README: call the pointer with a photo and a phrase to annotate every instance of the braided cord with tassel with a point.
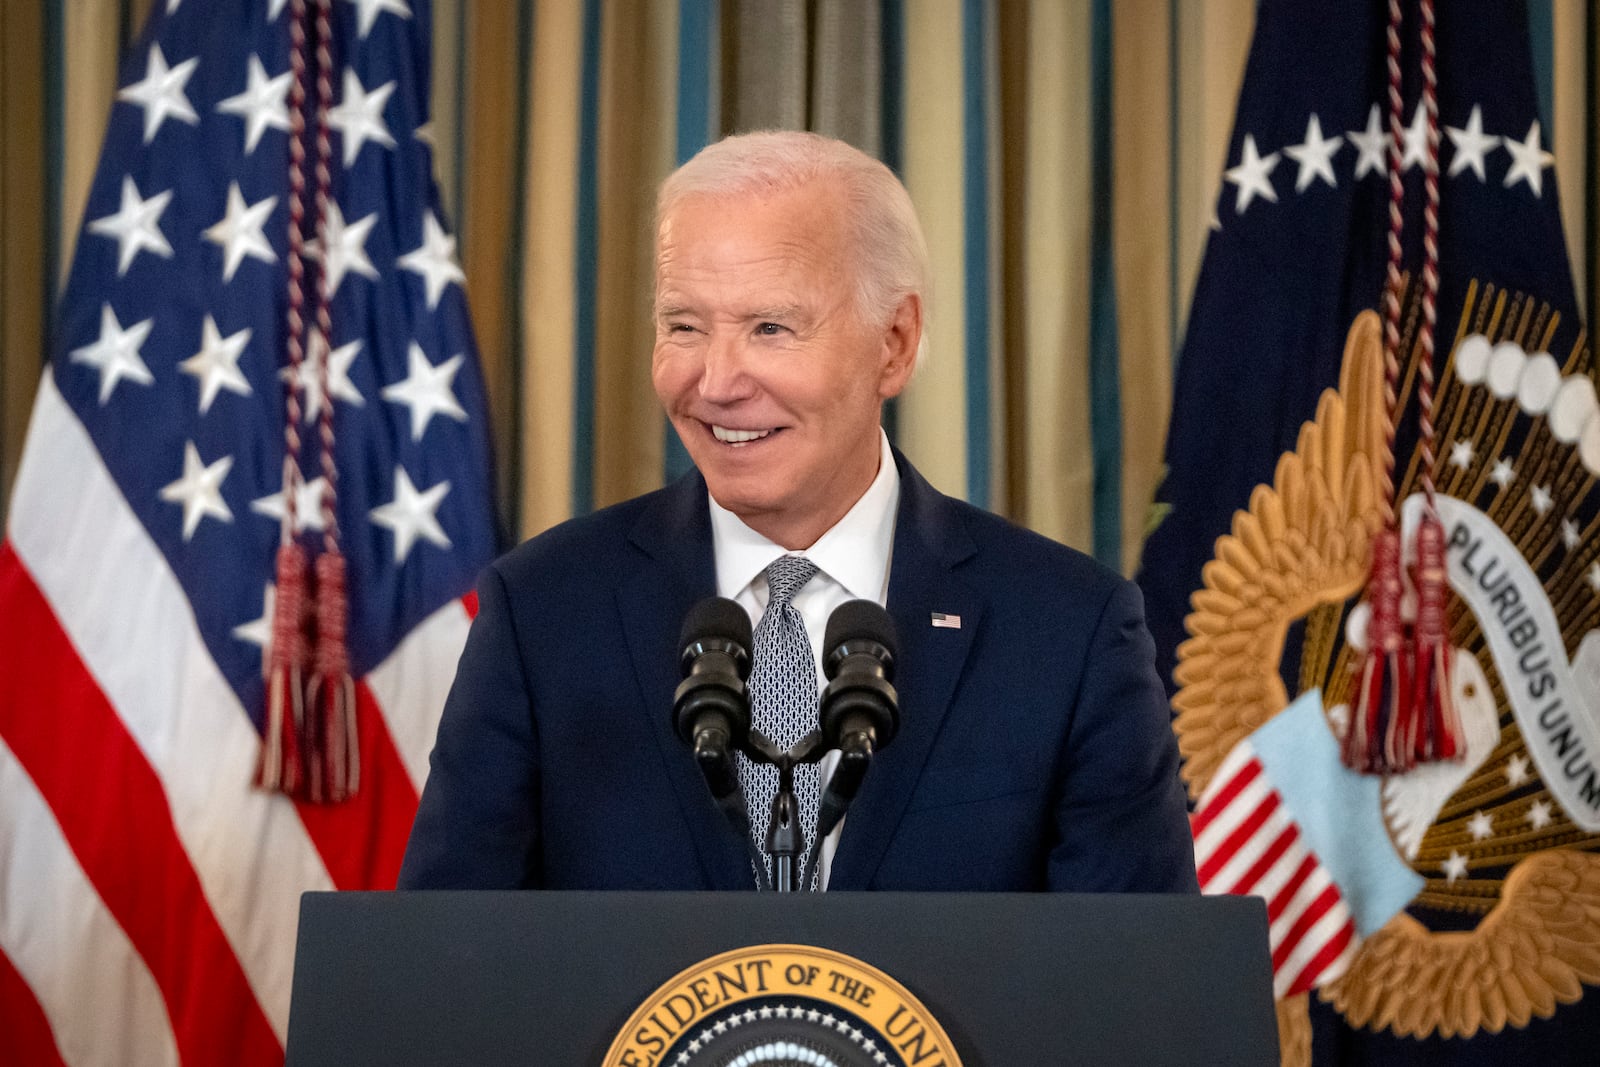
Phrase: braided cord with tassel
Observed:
(331, 697)
(281, 766)
(1402, 712)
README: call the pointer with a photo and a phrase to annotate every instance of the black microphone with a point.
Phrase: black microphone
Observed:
(711, 708)
(860, 711)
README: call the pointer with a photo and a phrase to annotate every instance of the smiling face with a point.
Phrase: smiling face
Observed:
(763, 360)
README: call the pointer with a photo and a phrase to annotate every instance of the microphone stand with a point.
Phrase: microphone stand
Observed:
(786, 839)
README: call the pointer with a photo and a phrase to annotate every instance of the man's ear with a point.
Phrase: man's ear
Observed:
(901, 340)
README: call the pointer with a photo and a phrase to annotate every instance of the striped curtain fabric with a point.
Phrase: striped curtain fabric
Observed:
(1065, 158)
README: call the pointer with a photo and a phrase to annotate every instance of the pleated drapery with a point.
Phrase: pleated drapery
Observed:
(1065, 158)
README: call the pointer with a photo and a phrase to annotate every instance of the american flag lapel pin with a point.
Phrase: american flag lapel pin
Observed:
(941, 621)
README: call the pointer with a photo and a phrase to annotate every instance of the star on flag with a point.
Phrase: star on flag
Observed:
(1517, 771)
(136, 225)
(199, 490)
(161, 93)
(307, 505)
(116, 353)
(1315, 156)
(359, 116)
(426, 390)
(1528, 161)
(1471, 145)
(216, 365)
(344, 249)
(433, 260)
(264, 104)
(1372, 145)
(239, 231)
(412, 515)
(310, 376)
(1252, 175)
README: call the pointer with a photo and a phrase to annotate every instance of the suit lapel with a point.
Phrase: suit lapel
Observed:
(675, 534)
(929, 541)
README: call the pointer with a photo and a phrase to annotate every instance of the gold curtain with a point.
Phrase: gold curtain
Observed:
(554, 119)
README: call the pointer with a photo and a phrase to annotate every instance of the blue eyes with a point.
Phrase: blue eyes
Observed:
(769, 329)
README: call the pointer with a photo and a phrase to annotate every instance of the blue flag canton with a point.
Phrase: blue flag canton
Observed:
(173, 327)
(1298, 243)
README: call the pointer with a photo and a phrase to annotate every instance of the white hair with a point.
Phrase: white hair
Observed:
(884, 234)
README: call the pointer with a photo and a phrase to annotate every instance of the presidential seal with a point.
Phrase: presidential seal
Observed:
(781, 1006)
(1462, 895)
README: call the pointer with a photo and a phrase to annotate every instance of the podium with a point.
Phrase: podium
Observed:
(983, 980)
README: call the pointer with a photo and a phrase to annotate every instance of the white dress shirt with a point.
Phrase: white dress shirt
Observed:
(852, 558)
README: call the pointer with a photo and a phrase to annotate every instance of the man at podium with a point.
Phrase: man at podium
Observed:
(1034, 748)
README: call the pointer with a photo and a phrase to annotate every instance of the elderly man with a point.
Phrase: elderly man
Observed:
(1034, 750)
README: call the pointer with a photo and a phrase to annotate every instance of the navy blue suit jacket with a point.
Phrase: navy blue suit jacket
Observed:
(1035, 748)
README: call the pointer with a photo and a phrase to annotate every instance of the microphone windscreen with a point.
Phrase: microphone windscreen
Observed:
(858, 620)
(716, 617)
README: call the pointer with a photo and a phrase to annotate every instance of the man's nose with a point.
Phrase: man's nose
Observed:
(725, 376)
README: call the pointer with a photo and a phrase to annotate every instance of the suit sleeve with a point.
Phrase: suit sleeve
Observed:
(1122, 821)
(477, 825)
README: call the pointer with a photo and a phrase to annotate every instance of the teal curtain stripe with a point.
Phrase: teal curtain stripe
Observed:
(587, 266)
(697, 35)
(975, 238)
(891, 104)
(891, 122)
(1105, 386)
(697, 29)
(1542, 31)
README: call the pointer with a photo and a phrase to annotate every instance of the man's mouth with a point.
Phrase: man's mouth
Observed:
(730, 436)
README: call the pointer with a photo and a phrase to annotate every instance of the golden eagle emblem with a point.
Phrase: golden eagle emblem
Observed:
(1506, 841)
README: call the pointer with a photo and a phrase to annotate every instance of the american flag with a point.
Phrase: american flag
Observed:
(148, 893)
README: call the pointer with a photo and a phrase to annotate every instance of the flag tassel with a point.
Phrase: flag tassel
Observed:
(1439, 732)
(1378, 715)
(281, 765)
(331, 699)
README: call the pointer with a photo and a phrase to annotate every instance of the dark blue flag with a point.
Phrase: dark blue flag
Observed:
(1452, 913)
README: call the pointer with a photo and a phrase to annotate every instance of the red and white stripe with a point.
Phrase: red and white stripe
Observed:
(1247, 843)
(149, 896)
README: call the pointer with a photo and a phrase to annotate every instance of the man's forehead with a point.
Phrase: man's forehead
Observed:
(670, 304)
(822, 193)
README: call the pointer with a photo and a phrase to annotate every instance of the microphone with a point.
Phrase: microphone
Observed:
(860, 711)
(711, 708)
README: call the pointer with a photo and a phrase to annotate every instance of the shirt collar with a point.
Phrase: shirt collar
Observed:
(853, 552)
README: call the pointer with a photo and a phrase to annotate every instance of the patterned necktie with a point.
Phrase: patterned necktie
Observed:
(783, 698)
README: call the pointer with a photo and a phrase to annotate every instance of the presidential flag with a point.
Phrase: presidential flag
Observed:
(1451, 912)
(148, 890)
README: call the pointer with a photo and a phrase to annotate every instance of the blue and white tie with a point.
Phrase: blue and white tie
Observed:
(783, 698)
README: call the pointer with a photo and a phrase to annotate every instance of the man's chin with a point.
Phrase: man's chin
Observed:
(742, 496)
